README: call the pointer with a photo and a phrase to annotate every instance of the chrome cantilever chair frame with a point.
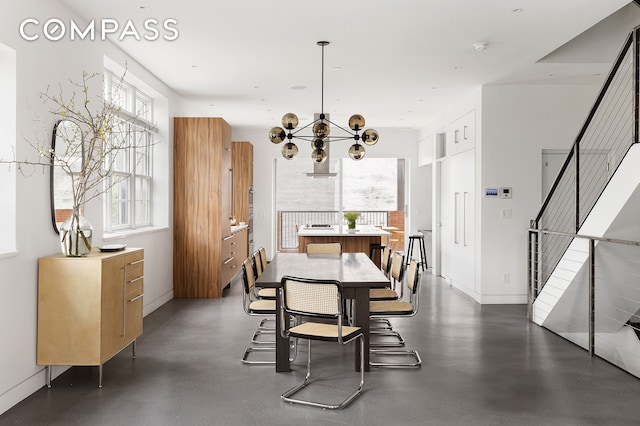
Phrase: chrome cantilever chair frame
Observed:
(382, 325)
(322, 299)
(256, 307)
(399, 309)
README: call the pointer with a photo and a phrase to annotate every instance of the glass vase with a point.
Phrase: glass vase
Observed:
(351, 224)
(75, 235)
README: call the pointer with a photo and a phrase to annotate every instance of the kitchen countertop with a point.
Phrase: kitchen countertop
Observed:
(361, 230)
(236, 228)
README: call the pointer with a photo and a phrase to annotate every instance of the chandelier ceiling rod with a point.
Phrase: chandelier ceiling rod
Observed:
(322, 44)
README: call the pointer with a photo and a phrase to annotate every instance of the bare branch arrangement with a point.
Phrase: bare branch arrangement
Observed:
(91, 138)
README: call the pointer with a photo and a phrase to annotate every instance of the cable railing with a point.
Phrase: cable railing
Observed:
(607, 134)
(289, 221)
(604, 313)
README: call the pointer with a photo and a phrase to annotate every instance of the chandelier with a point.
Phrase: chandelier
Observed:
(320, 131)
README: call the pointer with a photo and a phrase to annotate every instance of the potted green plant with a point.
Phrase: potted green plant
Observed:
(351, 219)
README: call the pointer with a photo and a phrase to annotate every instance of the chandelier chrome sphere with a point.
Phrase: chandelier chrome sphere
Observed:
(321, 130)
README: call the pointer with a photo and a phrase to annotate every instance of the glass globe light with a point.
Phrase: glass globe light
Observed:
(356, 122)
(289, 150)
(318, 144)
(321, 130)
(277, 135)
(319, 155)
(290, 121)
(370, 137)
(356, 151)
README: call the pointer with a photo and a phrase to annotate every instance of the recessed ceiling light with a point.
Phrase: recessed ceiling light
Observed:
(553, 75)
(212, 105)
(298, 87)
(420, 100)
(518, 10)
(337, 68)
(142, 7)
(456, 68)
(480, 46)
(194, 66)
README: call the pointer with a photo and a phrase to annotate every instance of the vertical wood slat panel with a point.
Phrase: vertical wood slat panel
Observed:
(243, 178)
(198, 205)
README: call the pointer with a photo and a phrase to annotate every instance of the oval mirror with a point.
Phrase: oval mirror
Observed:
(67, 153)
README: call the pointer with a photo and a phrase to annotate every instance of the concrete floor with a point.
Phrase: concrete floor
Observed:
(482, 365)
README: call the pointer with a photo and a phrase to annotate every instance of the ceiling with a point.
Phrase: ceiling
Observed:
(397, 63)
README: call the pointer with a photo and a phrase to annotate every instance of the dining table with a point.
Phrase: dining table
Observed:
(356, 272)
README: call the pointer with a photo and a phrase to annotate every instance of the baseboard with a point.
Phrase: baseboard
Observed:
(503, 299)
(24, 389)
(155, 304)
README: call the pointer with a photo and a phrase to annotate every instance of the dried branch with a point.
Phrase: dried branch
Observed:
(88, 150)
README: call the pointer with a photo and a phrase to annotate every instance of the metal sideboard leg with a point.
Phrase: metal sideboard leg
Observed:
(48, 375)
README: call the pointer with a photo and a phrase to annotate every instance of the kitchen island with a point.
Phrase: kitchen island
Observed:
(354, 241)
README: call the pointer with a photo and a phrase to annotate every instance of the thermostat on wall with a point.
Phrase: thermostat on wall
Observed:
(505, 192)
(491, 192)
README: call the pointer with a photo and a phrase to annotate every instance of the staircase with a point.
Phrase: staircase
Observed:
(582, 244)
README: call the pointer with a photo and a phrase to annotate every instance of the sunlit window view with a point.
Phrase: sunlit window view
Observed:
(128, 203)
(374, 187)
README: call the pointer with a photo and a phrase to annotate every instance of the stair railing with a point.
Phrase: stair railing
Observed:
(606, 136)
(591, 268)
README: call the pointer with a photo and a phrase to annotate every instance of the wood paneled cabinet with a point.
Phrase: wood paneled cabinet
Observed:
(89, 308)
(242, 159)
(204, 197)
(234, 252)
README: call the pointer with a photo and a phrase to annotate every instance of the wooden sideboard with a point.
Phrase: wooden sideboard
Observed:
(89, 308)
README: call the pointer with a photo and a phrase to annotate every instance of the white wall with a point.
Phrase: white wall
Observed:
(514, 123)
(442, 228)
(41, 63)
(518, 123)
(393, 143)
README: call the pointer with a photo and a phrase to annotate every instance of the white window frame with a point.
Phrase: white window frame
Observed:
(135, 121)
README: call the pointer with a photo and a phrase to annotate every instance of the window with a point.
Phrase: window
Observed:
(129, 199)
(372, 186)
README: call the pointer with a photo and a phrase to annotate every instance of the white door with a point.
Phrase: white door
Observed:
(443, 225)
(552, 161)
(461, 238)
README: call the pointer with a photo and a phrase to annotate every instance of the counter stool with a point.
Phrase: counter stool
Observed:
(423, 252)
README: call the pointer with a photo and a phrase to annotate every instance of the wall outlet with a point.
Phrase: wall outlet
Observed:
(506, 278)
